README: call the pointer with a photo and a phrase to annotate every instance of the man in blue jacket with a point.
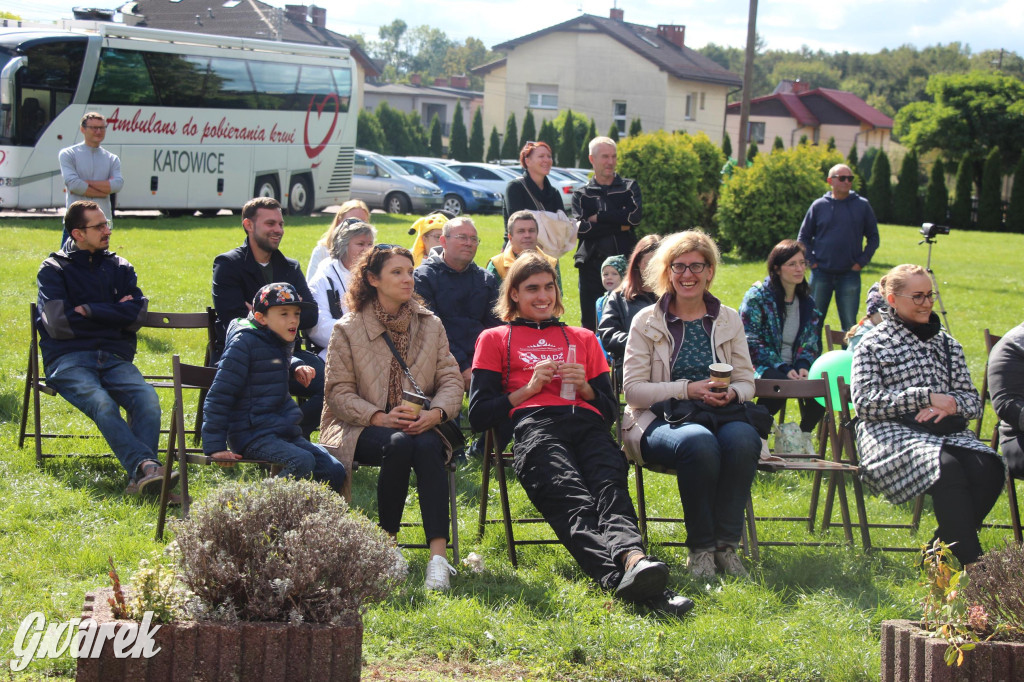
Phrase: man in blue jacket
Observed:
(90, 307)
(834, 232)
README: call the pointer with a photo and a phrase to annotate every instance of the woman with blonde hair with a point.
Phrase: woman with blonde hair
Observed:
(547, 384)
(913, 396)
(353, 209)
(671, 345)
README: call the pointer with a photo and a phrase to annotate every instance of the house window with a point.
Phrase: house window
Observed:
(757, 132)
(619, 116)
(543, 96)
(702, 100)
(691, 106)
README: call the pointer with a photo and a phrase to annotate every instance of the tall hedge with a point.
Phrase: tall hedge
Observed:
(936, 202)
(436, 141)
(960, 211)
(548, 133)
(635, 127)
(584, 154)
(510, 145)
(752, 152)
(1015, 211)
(567, 147)
(764, 203)
(493, 146)
(879, 189)
(851, 158)
(529, 131)
(726, 145)
(778, 144)
(709, 181)
(476, 137)
(668, 170)
(905, 202)
(613, 132)
(369, 134)
(458, 147)
(990, 202)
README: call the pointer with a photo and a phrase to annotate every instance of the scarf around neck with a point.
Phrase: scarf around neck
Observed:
(397, 327)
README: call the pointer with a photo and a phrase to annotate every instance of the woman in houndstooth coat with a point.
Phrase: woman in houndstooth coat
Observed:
(909, 365)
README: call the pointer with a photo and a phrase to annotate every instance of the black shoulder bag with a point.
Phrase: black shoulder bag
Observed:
(954, 423)
(676, 412)
(449, 431)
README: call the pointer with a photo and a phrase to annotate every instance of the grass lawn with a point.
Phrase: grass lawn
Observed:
(808, 613)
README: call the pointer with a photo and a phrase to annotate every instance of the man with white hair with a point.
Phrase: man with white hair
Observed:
(608, 209)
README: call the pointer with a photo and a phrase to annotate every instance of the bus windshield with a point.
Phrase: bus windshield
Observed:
(41, 88)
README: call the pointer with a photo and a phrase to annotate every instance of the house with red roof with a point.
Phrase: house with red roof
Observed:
(794, 110)
(609, 70)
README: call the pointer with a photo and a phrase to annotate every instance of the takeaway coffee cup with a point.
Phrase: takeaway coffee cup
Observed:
(413, 401)
(722, 373)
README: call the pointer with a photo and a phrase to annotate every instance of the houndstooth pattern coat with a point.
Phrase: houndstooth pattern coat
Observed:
(894, 373)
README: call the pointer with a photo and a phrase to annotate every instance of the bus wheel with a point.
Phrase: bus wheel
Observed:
(177, 212)
(266, 186)
(300, 196)
(453, 204)
(209, 212)
(396, 203)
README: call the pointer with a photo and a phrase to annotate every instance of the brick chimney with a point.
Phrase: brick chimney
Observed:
(615, 14)
(800, 86)
(460, 82)
(295, 13)
(441, 82)
(672, 33)
(415, 79)
(318, 15)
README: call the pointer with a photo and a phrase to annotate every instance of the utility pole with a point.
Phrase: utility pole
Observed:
(748, 78)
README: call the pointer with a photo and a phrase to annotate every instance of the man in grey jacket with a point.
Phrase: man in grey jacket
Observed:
(1006, 386)
(89, 171)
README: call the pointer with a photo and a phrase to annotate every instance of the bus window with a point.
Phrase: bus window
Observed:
(178, 78)
(343, 83)
(122, 78)
(275, 83)
(314, 81)
(229, 86)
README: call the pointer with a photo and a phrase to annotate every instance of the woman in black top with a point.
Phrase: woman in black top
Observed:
(533, 191)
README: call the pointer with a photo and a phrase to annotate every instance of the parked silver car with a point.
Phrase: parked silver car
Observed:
(382, 183)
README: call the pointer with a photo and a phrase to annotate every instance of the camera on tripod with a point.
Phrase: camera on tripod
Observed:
(930, 230)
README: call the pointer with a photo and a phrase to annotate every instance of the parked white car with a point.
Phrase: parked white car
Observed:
(494, 178)
(382, 183)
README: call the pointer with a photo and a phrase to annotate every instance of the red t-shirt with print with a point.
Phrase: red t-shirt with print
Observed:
(530, 347)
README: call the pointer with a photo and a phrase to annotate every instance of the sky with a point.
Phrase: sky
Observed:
(855, 26)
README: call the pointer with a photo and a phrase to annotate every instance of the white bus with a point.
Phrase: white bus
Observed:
(199, 122)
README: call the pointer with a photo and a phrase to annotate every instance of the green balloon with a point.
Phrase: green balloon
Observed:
(835, 363)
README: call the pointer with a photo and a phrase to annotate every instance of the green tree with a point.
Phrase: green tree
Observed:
(804, 141)
(635, 127)
(584, 154)
(529, 129)
(851, 159)
(494, 146)
(668, 169)
(457, 145)
(613, 132)
(419, 140)
(865, 165)
(831, 144)
(906, 205)
(960, 211)
(726, 145)
(476, 137)
(436, 143)
(1015, 211)
(396, 139)
(879, 189)
(937, 199)
(548, 133)
(990, 201)
(818, 74)
(510, 145)
(567, 145)
(778, 144)
(369, 134)
(751, 151)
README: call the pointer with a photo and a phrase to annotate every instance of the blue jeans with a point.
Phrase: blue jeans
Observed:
(845, 285)
(300, 459)
(714, 473)
(99, 384)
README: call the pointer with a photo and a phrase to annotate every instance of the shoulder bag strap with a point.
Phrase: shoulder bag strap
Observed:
(401, 362)
(533, 198)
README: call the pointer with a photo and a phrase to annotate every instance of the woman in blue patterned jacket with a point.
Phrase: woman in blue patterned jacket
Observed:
(781, 323)
(909, 376)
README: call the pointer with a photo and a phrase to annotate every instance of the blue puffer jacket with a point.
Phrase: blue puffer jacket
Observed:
(464, 301)
(249, 397)
(762, 320)
(97, 281)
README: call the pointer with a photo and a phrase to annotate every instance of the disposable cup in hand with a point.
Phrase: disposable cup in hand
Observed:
(721, 373)
(414, 401)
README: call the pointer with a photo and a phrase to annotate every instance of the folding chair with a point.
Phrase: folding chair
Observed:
(497, 460)
(990, 342)
(35, 384)
(820, 464)
(835, 339)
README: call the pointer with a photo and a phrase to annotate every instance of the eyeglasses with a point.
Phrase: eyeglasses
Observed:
(919, 299)
(99, 226)
(796, 264)
(843, 178)
(695, 268)
(96, 127)
(467, 238)
(385, 247)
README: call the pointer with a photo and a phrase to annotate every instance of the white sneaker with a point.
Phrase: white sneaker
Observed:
(730, 563)
(701, 564)
(438, 570)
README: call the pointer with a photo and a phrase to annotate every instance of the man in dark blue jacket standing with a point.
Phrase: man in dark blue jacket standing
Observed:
(90, 307)
(834, 233)
(239, 274)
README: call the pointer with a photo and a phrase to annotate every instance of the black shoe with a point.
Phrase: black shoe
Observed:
(670, 603)
(646, 580)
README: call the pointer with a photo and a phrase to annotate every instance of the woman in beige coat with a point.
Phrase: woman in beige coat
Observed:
(365, 417)
(670, 346)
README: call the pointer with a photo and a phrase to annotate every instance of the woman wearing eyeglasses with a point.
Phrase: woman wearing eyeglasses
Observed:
(670, 346)
(352, 210)
(911, 383)
(781, 325)
(366, 416)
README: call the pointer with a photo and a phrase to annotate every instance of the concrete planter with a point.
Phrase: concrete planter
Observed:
(234, 651)
(910, 653)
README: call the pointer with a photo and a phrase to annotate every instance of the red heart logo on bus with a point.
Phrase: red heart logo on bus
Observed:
(312, 152)
(3, 157)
